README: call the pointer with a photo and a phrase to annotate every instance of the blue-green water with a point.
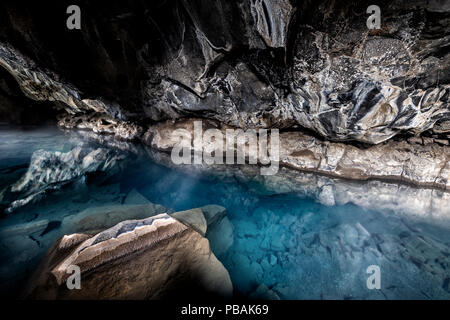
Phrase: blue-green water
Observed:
(285, 242)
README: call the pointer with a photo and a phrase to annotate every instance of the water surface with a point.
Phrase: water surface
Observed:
(284, 243)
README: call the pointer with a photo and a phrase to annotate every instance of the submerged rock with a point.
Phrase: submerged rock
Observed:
(220, 231)
(154, 258)
(264, 293)
(134, 197)
(103, 124)
(212, 222)
(193, 218)
(403, 199)
(50, 171)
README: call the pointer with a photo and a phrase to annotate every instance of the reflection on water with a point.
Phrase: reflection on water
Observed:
(285, 243)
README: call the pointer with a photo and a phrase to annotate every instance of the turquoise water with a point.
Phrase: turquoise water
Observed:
(284, 243)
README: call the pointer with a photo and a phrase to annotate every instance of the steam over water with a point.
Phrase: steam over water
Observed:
(279, 244)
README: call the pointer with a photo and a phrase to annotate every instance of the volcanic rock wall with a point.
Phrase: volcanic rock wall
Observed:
(247, 63)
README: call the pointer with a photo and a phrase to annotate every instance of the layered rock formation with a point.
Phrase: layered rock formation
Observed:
(429, 204)
(153, 258)
(253, 63)
(417, 161)
(23, 243)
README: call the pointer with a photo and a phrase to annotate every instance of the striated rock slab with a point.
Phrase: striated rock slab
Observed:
(154, 258)
(403, 161)
(427, 165)
(95, 219)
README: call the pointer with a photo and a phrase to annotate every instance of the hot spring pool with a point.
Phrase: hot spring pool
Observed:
(283, 240)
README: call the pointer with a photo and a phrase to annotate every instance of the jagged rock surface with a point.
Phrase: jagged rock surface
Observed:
(136, 259)
(49, 171)
(253, 63)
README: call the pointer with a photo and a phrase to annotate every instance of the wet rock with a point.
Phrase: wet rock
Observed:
(193, 218)
(326, 196)
(103, 124)
(221, 236)
(50, 171)
(220, 232)
(94, 219)
(19, 251)
(426, 165)
(24, 229)
(153, 258)
(212, 222)
(41, 85)
(134, 197)
(272, 20)
(273, 260)
(404, 199)
(264, 293)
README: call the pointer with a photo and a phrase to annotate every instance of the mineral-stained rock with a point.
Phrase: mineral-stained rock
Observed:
(157, 257)
(426, 165)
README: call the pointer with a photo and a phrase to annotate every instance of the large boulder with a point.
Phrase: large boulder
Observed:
(153, 258)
